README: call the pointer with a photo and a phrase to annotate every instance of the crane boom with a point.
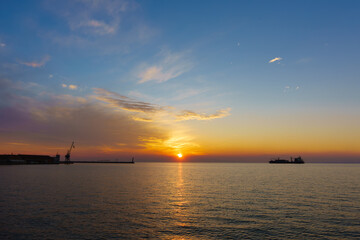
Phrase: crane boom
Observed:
(67, 156)
(72, 146)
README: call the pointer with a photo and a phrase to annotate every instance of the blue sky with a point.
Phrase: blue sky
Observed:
(198, 65)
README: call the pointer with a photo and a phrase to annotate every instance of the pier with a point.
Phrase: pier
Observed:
(131, 162)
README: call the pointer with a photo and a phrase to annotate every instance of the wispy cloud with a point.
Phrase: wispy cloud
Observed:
(97, 27)
(18, 144)
(182, 94)
(171, 66)
(275, 59)
(125, 103)
(70, 86)
(129, 104)
(97, 17)
(141, 119)
(2, 44)
(137, 94)
(290, 89)
(105, 27)
(190, 115)
(35, 64)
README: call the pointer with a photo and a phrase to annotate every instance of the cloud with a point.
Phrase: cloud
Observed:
(46, 122)
(2, 44)
(96, 17)
(125, 103)
(70, 86)
(37, 64)
(18, 144)
(275, 59)
(179, 141)
(137, 94)
(132, 105)
(190, 115)
(141, 119)
(286, 89)
(182, 94)
(51, 76)
(104, 27)
(53, 120)
(290, 89)
(99, 27)
(171, 66)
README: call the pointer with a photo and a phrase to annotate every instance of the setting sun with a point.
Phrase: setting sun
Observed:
(180, 155)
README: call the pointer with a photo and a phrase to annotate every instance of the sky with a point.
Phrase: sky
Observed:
(213, 80)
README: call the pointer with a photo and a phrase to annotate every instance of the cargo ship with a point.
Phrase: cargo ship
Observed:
(12, 159)
(297, 160)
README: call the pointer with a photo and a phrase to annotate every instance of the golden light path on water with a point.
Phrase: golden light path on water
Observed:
(181, 201)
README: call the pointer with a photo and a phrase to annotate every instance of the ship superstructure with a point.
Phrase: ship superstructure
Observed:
(298, 160)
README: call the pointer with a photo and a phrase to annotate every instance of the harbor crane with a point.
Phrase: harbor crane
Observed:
(67, 156)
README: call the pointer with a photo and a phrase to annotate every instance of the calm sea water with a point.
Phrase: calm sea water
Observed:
(180, 201)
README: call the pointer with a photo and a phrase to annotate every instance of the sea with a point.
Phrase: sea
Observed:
(180, 201)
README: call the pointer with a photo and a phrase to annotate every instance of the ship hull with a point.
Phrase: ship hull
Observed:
(286, 162)
(297, 160)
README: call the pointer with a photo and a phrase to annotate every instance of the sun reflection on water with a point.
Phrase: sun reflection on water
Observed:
(181, 201)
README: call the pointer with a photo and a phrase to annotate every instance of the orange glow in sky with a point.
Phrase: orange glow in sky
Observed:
(180, 100)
